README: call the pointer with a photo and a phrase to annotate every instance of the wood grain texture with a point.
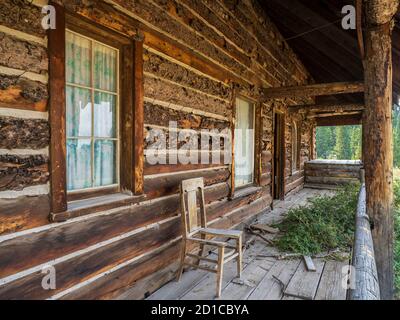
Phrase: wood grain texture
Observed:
(23, 213)
(24, 17)
(22, 55)
(377, 141)
(169, 184)
(22, 93)
(16, 133)
(19, 172)
(57, 112)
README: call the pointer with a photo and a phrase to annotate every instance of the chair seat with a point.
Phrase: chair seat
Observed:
(221, 232)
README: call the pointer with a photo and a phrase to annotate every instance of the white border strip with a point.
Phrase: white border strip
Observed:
(28, 75)
(23, 114)
(23, 36)
(29, 191)
(25, 152)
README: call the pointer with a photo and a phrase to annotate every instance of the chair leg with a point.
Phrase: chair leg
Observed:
(183, 254)
(239, 258)
(200, 253)
(220, 269)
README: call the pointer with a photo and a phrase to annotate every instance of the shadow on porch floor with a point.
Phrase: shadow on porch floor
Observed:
(265, 275)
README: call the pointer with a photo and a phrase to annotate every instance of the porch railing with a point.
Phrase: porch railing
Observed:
(365, 285)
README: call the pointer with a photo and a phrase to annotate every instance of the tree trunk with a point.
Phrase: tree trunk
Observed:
(377, 139)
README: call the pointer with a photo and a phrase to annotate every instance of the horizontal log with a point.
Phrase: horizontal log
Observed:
(219, 209)
(24, 17)
(19, 172)
(170, 168)
(294, 184)
(328, 107)
(166, 69)
(110, 16)
(134, 281)
(186, 17)
(271, 41)
(76, 269)
(161, 139)
(73, 270)
(334, 114)
(162, 116)
(157, 186)
(314, 90)
(344, 120)
(22, 55)
(237, 35)
(160, 19)
(21, 93)
(23, 133)
(64, 239)
(246, 212)
(23, 213)
(330, 180)
(168, 92)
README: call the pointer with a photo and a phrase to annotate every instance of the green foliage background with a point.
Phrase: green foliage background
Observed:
(344, 142)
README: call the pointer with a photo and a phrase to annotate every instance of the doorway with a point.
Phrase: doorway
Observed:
(279, 156)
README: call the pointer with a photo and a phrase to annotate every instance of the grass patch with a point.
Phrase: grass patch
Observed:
(326, 223)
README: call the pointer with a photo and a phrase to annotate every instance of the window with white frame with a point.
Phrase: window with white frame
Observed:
(92, 125)
(244, 143)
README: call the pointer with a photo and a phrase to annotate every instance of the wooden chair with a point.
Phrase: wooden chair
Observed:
(195, 232)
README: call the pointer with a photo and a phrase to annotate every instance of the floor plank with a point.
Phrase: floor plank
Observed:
(270, 288)
(330, 286)
(206, 289)
(304, 283)
(174, 289)
(252, 276)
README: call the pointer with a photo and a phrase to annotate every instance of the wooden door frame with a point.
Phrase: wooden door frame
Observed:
(283, 154)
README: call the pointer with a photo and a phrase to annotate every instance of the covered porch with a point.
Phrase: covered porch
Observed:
(268, 274)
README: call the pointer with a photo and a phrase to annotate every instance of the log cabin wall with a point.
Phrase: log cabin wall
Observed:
(197, 55)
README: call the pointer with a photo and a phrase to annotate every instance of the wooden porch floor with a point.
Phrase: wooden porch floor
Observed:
(264, 277)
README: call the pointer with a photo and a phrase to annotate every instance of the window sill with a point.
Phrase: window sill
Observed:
(84, 207)
(246, 191)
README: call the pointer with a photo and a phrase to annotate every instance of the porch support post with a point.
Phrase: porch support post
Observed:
(377, 137)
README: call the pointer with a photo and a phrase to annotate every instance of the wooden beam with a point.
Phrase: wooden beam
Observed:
(334, 114)
(313, 90)
(346, 120)
(377, 135)
(328, 107)
(58, 153)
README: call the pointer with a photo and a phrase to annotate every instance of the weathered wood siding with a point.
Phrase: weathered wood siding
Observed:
(332, 172)
(197, 54)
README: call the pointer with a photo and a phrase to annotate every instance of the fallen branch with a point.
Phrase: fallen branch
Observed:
(258, 234)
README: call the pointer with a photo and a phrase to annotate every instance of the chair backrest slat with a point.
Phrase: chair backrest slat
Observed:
(190, 219)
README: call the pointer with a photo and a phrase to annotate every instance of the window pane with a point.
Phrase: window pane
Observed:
(79, 112)
(244, 143)
(78, 59)
(105, 163)
(104, 115)
(105, 68)
(78, 164)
